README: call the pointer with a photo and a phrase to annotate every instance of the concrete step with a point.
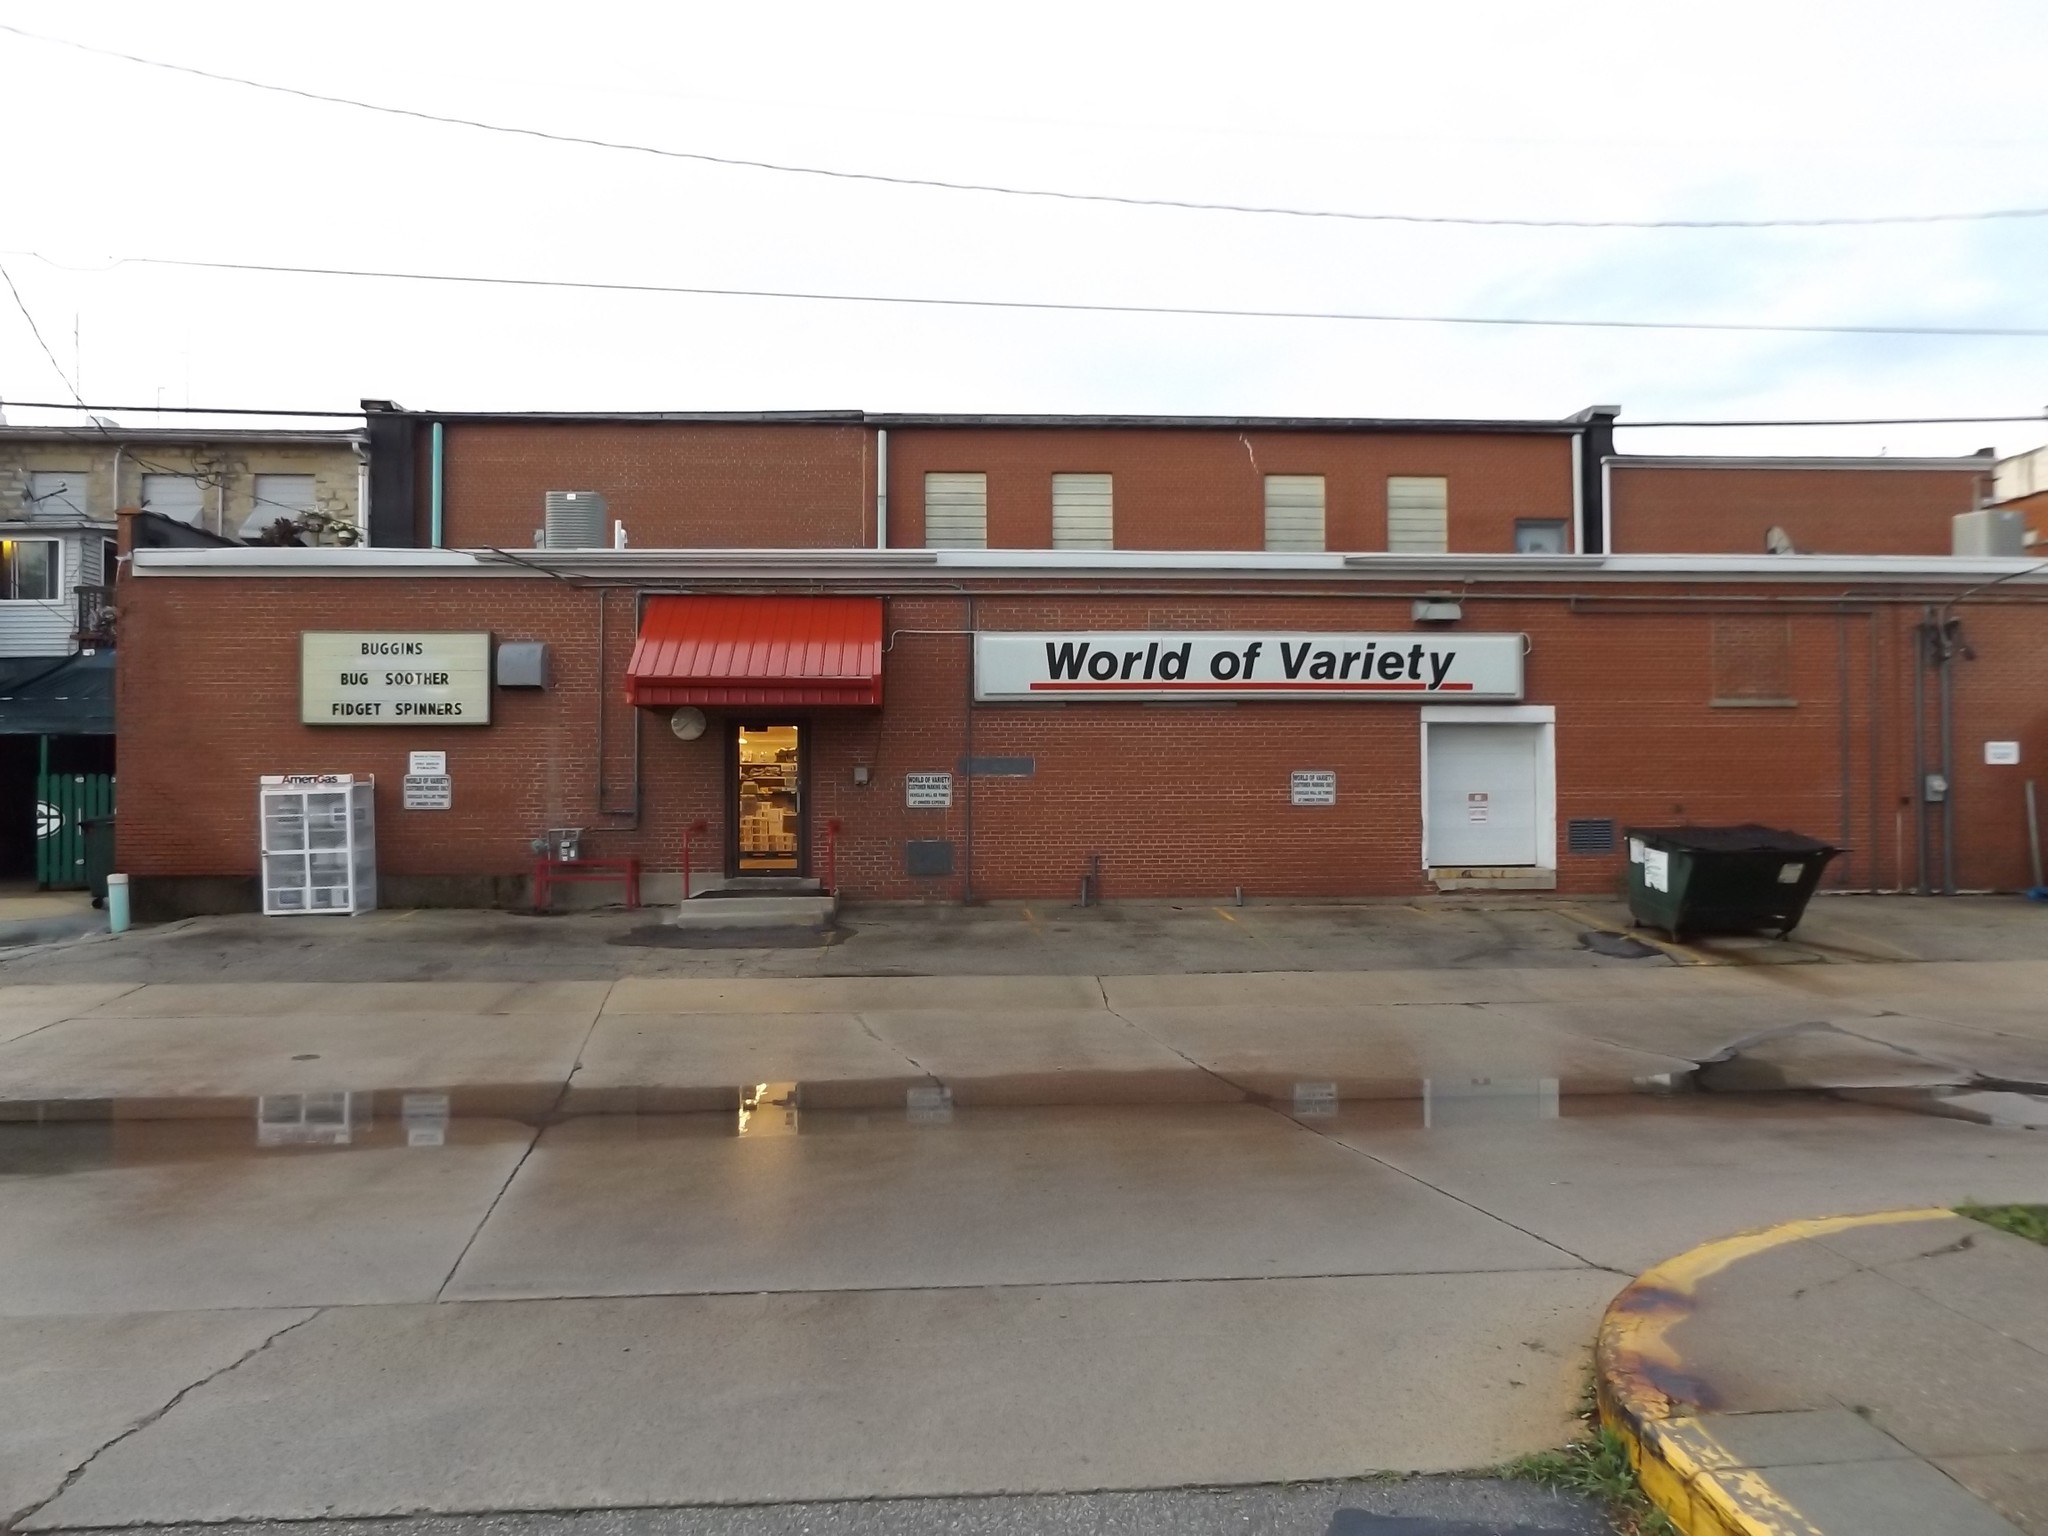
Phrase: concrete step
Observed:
(730, 911)
(763, 885)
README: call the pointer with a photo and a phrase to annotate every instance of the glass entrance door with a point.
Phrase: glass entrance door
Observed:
(769, 814)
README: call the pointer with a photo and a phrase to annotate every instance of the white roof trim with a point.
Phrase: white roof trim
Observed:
(923, 568)
(1972, 463)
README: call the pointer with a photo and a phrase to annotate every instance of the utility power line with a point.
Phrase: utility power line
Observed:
(1048, 305)
(37, 332)
(1055, 193)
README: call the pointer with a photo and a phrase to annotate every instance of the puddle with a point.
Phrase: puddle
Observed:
(1618, 946)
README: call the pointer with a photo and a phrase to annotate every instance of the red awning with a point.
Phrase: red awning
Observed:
(743, 651)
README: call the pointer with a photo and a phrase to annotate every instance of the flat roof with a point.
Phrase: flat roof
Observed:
(921, 568)
(91, 434)
(1030, 421)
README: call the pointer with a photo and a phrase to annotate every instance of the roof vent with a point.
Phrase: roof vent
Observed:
(574, 520)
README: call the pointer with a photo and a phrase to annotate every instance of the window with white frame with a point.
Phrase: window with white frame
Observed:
(955, 511)
(182, 498)
(31, 570)
(1539, 536)
(57, 495)
(1083, 512)
(1294, 512)
(278, 496)
(1418, 514)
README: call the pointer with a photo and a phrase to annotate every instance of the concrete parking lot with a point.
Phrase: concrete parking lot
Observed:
(470, 1213)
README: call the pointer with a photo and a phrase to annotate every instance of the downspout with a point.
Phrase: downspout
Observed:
(115, 511)
(1946, 698)
(1920, 633)
(1579, 492)
(434, 488)
(967, 772)
(881, 488)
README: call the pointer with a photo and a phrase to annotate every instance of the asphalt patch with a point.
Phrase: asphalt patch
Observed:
(668, 936)
(1618, 946)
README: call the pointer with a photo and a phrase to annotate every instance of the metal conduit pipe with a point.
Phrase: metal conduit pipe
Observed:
(1920, 833)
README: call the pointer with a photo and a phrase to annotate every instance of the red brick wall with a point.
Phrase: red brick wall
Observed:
(1177, 801)
(1196, 489)
(676, 485)
(1729, 510)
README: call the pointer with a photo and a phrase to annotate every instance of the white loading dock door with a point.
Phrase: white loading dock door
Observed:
(1489, 790)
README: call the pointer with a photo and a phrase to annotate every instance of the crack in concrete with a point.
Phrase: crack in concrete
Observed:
(890, 1045)
(1337, 1141)
(1244, 1093)
(13, 1521)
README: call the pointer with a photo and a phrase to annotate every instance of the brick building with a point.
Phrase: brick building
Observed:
(1818, 506)
(958, 659)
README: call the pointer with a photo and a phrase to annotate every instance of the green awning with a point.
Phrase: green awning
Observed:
(58, 695)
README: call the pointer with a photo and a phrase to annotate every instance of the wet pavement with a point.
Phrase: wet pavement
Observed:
(291, 1241)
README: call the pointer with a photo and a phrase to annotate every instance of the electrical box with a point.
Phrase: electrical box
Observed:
(522, 664)
(319, 843)
(1990, 534)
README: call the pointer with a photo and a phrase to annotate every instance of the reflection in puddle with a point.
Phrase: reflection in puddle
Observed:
(1315, 1101)
(1452, 1103)
(425, 1118)
(768, 1109)
(307, 1119)
(928, 1106)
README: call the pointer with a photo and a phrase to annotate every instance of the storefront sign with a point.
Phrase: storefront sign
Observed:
(434, 677)
(1276, 664)
(1312, 786)
(928, 791)
(429, 792)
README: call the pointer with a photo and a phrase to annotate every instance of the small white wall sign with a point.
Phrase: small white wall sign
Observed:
(429, 792)
(928, 791)
(427, 762)
(2002, 754)
(1312, 786)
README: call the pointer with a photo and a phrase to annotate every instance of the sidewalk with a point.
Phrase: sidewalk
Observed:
(1851, 1376)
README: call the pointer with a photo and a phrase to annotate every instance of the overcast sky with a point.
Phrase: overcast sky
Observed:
(1636, 110)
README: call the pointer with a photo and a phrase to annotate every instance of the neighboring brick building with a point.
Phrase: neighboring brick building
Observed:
(1821, 506)
(1297, 658)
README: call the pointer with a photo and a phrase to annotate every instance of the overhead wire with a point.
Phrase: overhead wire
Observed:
(37, 331)
(943, 184)
(1074, 307)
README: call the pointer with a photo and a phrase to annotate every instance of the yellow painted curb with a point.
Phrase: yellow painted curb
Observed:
(1643, 1388)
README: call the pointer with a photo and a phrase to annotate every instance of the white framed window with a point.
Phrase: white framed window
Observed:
(278, 496)
(1294, 512)
(181, 498)
(955, 510)
(1083, 512)
(1418, 514)
(31, 570)
(1539, 536)
(57, 495)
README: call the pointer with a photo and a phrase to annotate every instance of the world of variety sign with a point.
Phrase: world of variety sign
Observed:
(429, 677)
(1273, 664)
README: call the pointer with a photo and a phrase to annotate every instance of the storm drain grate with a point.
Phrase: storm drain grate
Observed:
(1589, 834)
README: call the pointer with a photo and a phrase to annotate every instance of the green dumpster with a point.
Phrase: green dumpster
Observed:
(99, 855)
(1747, 879)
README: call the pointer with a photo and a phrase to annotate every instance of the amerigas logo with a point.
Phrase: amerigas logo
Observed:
(1270, 665)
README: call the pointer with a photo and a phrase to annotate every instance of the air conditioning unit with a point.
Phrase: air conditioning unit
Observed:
(1990, 535)
(573, 520)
